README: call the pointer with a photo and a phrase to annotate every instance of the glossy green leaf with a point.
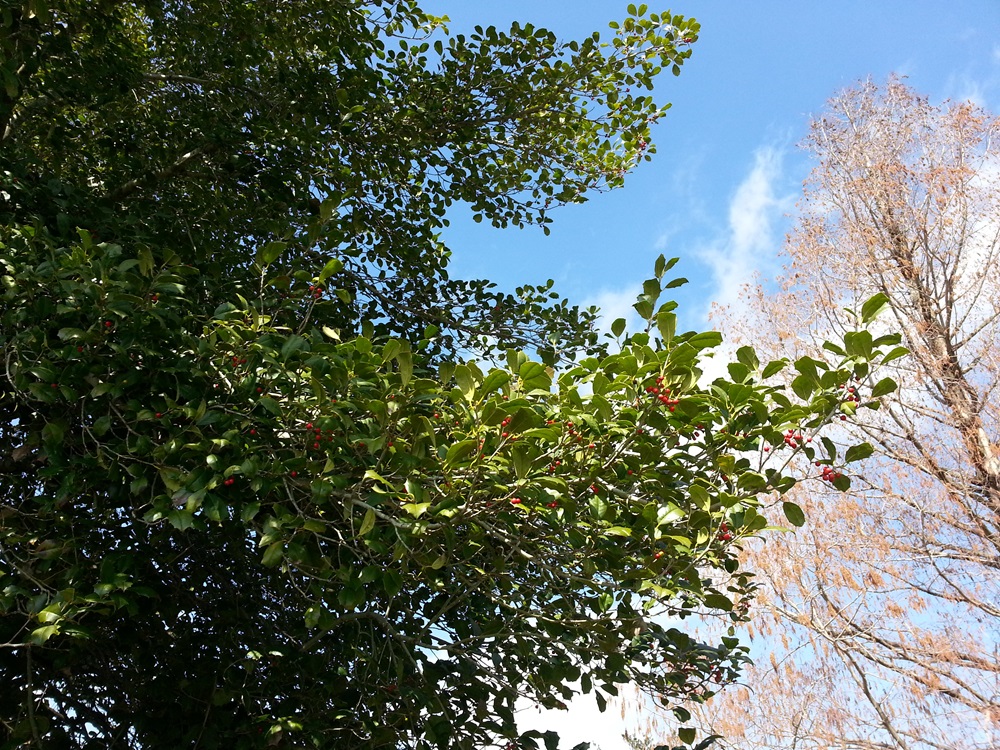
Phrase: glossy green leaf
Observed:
(858, 452)
(793, 513)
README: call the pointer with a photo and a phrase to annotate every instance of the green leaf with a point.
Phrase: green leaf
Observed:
(534, 376)
(618, 326)
(494, 380)
(686, 735)
(416, 509)
(774, 367)
(858, 452)
(41, 635)
(180, 519)
(699, 497)
(599, 507)
(644, 307)
(404, 360)
(899, 351)
(273, 555)
(651, 290)
(659, 267)
(793, 513)
(831, 449)
(883, 387)
(392, 582)
(376, 477)
(293, 343)
(332, 267)
(270, 405)
(803, 386)
(466, 383)
(873, 306)
(522, 461)
(617, 531)
(460, 450)
(368, 523)
(270, 252)
(842, 483)
(718, 601)
(747, 356)
(70, 334)
(858, 344)
(146, 262)
(666, 324)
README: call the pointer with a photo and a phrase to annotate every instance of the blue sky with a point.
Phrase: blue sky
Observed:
(722, 187)
(727, 172)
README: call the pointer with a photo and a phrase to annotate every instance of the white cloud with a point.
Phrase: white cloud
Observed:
(616, 304)
(751, 242)
(580, 722)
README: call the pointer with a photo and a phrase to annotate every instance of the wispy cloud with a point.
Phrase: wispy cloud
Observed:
(962, 87)
(749, 245)
(751, 241)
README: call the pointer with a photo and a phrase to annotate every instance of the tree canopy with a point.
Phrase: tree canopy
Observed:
(259, 487)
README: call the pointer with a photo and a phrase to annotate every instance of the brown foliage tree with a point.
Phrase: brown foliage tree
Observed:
(882, 615)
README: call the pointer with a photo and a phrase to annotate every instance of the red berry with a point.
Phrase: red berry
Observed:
(309, 425)
(515, 501)
(107, 324)
(159, 414)
(294, 474)
(55, 385)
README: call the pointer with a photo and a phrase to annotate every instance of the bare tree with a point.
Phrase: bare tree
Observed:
(882, 615)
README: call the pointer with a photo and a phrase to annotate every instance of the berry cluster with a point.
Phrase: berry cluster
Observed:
(829, 474)
(852, 393)
(662, 394)
(793, 439)
(314, 440)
